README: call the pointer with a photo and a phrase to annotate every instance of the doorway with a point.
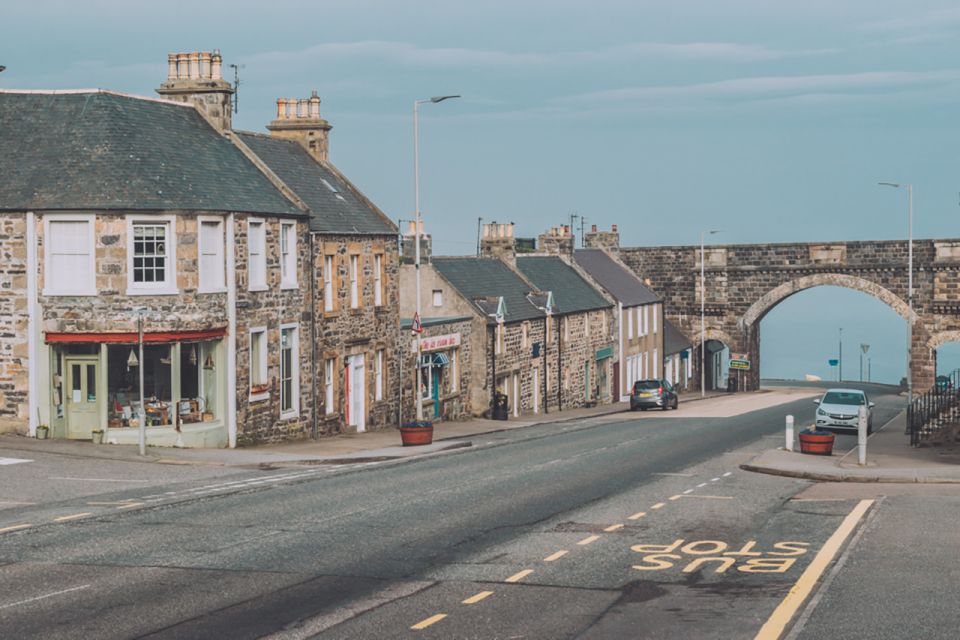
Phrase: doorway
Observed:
(82, 396)
(357, 390)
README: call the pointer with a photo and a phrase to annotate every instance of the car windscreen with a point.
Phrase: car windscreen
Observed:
(646, 384)
(843, 397)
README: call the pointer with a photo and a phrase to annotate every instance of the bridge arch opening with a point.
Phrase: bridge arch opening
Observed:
(826, 326)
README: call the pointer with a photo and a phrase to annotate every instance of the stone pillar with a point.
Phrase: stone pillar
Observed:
(923, 359)
(299, 120)
(497, 242)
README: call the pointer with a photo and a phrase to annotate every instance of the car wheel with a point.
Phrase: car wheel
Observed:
(676, 403)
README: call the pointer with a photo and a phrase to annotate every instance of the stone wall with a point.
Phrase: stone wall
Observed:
(14, 381)
(743, 282)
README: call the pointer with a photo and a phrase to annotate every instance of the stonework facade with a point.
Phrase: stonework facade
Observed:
(14, 360)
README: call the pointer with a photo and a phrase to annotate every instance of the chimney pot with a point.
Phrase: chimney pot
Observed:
(171, 66)
(593, 228)
(216, 66)
(205, 64)
(194, 71)
(613, 228)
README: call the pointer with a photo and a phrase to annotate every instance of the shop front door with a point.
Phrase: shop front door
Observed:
(82, 396)
(435, 390)
(358, 412)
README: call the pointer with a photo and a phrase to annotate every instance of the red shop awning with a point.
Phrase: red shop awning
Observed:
(131, 337)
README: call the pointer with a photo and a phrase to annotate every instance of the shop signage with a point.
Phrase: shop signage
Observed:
(740, 361)
(606, 352)
(436, 343)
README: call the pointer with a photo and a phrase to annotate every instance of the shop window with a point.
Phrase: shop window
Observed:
(69, 254)
(329, 369)
(211, 255)
(378, 376)
(123, 363)
(289, 371)
(378, 280)
(328, 283)
(198, 383)
(288, 255)
(152, 256)
(258, 362)
(257, 254)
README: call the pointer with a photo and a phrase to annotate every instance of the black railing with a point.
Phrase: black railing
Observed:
(936, 411)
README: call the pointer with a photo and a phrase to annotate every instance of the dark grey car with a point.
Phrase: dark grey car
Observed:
(653, 394)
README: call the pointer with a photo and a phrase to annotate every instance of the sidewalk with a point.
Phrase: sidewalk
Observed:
(340, 449)
(890, 458)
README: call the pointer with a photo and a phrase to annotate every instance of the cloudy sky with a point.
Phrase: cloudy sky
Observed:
(772, 121)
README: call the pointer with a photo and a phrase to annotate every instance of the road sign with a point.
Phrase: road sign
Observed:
(740, 365)
(833, 362)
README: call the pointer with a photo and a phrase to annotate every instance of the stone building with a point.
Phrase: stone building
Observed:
(640, 329)
(120, 212)
(677, 356)
(446, 345)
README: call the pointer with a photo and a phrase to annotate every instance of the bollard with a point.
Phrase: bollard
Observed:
(862, 436)
(789, 433)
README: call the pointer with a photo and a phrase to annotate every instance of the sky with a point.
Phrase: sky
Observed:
(772, 121)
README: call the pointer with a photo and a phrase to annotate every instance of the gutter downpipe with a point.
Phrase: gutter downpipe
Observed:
(493, 367)
(33, 360)
(232, 333)
(313, 339)
(559, 366)
(623, 374)
(546, 322)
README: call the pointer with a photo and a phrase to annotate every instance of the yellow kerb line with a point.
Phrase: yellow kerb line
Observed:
(477, 598)
(517, 577)
(589, 539)
(15, 527)
(555, 556)
(777, 623)
(130, 505)
(423, 624)
(613, 527)
(659, 505)
(75, 516)
(677, 497)
(637, 515)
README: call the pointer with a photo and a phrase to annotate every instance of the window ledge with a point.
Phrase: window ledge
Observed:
(54, 292)
(258, 287)
(289, 415)
(289, 285)
(260, 397)
(213, 290)
(159, 291)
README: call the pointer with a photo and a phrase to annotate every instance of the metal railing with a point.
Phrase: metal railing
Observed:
(936, 411)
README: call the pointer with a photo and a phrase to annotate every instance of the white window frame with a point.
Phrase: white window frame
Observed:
(294, 409)
(329, 371)
(288, 258)
(646, 320)
(378, 375)
(260, 255)
(438, 297)
(169, 284)
(53, 283)
(525, 334)
(328, 267)
(354, 281)
(656, 365)
(656, 312)
(216, 282)
(629, 324)
(262, 331)
(378, 279)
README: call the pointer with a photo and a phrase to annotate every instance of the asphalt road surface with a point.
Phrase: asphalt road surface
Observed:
(628, 526)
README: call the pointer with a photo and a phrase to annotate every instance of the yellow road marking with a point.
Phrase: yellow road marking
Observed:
(659, 505)
(130, 505)
(676, 497)
(774, 627)
(589, 539)
(15, 527)
(613, 527)
(555, 556)
(477, 598)
(423, 624)
(517, 577)
(75, 516)
(637, 515)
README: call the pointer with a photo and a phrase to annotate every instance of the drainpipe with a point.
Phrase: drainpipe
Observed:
(559, 366)
(622, 378)
(232, 335)
(493, 367)
(313, 340)
(33, 361)
(546, 320)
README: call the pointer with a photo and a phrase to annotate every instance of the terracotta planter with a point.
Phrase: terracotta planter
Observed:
(818, 443)
(414, 434)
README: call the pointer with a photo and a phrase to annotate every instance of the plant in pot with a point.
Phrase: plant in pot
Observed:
(816, 442)
(417, 432)
(97, 436)
(43, 432)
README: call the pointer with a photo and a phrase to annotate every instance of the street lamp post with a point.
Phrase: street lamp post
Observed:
(417, 224)
(909, 188)
(840, 355)
(703, 321)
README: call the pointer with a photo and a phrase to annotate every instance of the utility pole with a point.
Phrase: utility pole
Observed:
(479, 224)
(583, 223)
(840, 357)
(236, 85)
(573, 224)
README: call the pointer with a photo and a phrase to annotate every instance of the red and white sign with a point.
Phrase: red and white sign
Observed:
(416, 327)
(437, 343)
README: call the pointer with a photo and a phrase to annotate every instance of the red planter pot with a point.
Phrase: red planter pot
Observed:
(820, 444)
(416, 435)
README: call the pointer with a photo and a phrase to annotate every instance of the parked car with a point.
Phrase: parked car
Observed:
(839, 408)
(653, 394)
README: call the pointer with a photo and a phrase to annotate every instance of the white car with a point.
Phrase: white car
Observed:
(839, 408)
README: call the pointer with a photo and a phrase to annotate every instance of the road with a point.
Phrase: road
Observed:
(627, 526)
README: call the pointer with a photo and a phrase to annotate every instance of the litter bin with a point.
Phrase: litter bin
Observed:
(500, 407)
(732, 384)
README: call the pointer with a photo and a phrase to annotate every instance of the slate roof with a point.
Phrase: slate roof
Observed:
(482, 280)
(626, 287)
(102, 150)
(673, 340)
(571, 293)
(336, 206)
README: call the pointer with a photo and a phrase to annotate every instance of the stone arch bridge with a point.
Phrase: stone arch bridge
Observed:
(744, 282)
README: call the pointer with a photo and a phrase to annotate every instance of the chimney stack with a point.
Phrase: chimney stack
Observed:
(299, 119)
(408, 244)
(497, 242)
(607, 240)
(557, 241)
(197, 77)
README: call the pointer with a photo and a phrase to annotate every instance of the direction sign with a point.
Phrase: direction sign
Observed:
(740, 365)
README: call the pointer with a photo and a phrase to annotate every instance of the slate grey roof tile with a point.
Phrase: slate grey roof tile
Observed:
(571, 293)
(482, 280)
(621, 283)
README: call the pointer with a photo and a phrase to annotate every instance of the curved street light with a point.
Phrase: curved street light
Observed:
(909, 188)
